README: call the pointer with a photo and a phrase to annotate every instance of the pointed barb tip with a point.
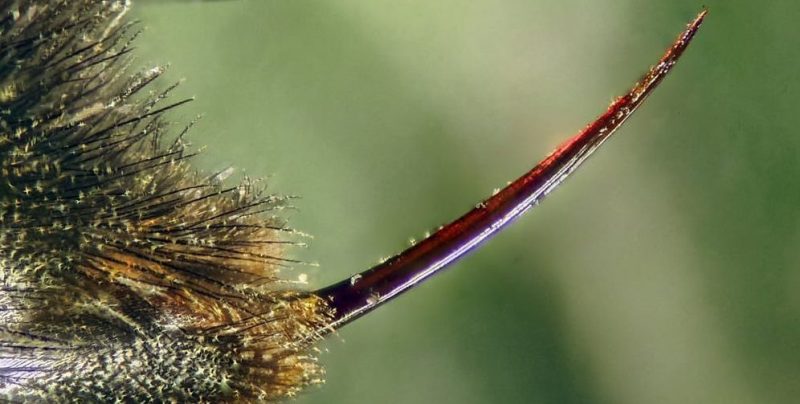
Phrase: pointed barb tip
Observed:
(357, 295)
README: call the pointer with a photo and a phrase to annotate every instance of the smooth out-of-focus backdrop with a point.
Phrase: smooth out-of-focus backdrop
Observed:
(667, 270)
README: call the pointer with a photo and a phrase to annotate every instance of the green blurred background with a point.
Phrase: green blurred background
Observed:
(666, 271)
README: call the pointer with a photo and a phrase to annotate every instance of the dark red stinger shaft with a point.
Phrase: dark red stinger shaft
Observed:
(356, 296)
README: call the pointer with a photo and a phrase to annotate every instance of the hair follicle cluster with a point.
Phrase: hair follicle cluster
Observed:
(125, 273)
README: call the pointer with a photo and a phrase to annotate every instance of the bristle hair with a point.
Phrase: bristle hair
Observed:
(124, 273)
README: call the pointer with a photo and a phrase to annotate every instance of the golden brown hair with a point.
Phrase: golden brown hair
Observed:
(126, 275)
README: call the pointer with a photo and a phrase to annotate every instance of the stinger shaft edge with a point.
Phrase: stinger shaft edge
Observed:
(353, 297)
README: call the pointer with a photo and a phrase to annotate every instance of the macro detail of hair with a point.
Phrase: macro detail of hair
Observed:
(126, 274)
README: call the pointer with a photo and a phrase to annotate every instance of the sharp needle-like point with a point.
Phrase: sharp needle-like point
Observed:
(356, 296)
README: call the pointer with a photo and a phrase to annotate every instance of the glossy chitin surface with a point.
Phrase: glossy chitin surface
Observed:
(354, 297)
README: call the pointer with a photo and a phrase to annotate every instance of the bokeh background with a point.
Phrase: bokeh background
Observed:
(667, 270)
